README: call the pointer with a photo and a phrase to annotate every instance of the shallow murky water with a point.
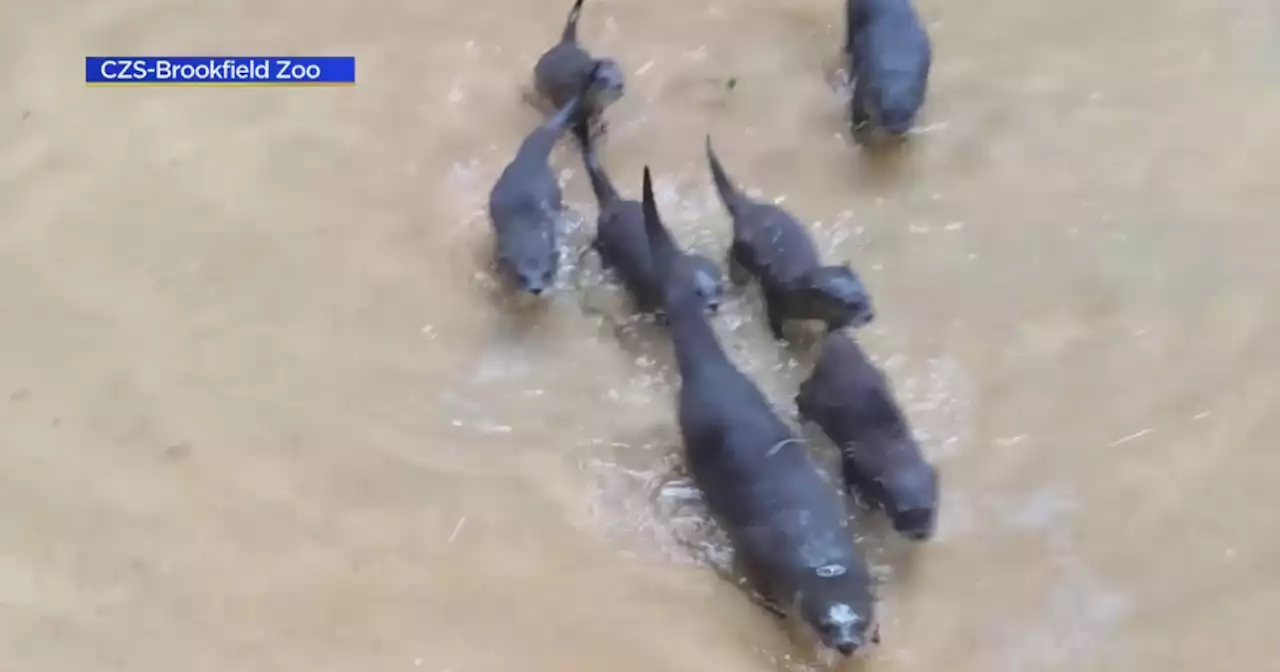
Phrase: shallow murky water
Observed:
(261, 407)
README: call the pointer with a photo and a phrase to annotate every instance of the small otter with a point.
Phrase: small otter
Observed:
(525, 207)
(851, 400)
(788, 528)
(564, 69)
(624, 247)
(770, 244)
(889, 55)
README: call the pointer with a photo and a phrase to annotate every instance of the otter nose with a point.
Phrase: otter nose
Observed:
(898, 123)
(916, 524)
(532, 284)
(846, 647)
(898, 129)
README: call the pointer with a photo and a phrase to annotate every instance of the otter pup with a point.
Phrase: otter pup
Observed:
(851, 400)
(770, 244)
(564, 69)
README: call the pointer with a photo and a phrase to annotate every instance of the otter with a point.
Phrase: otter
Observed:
(770, 244)
(564, 70)
(525, 207)
(623, 246)
(889, 55)
(850, 399)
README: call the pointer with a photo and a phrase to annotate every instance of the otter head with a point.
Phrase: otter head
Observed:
(895, 99)
(530, 264)
(837, 605)
(607, 83)
(837, 296)
(707, 280)
(911, 494)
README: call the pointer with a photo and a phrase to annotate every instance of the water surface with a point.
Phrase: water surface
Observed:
(261, 409)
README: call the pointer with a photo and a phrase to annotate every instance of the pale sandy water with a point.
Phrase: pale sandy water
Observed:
(259, 409)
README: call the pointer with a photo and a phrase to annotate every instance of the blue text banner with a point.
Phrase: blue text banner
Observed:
(220, 70)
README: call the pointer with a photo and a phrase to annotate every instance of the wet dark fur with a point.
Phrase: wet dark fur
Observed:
(623, 246)
(851, 400)
(525, 208)
(789, 529)
(889, 58)
(564, 70)
(771, 245)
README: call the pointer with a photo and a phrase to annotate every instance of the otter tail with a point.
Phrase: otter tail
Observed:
(566, 115)
(729, 194)
(570, 33)
(661, 246)
(573, 113)
(600, 182)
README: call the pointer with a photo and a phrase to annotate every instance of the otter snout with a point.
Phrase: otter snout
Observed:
(915, 524)
(847, 641)
(861, 313)
(912, 494)
(711, 299)
(842, 629)
(897, 124)
(837, 296)
(707, 282)
(854, 313)
(534, 284)
(607, 84)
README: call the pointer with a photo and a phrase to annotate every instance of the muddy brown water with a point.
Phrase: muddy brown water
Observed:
(261, 409)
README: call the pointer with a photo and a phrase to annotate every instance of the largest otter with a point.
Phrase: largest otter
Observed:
(789, 529)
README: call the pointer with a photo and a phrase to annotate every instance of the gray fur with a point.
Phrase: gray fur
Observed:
(565, 69)
(789, 529)
(851, 400)
(525, 208)
(624, 247)
(890, 54)
(771, 245)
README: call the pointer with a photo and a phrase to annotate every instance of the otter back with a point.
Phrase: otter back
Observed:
(851, 400)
